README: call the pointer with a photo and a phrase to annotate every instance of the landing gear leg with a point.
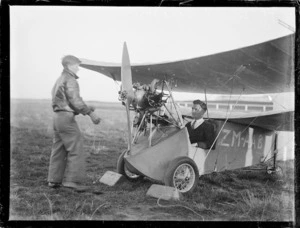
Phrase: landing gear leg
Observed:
(275, 169)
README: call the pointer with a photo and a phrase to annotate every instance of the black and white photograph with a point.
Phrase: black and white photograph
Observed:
(152, 113)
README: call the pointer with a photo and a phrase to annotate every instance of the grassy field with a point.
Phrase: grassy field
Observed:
(238, 195)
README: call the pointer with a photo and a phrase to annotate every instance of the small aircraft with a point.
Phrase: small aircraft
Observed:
(158, 142)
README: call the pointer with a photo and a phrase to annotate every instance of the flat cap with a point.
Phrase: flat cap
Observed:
(69, 60)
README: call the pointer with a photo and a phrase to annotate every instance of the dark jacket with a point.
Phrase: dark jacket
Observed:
(204, 134)
(65, 95)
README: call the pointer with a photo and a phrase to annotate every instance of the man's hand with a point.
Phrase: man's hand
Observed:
(202, 145)
(92, 108)
(95, 118)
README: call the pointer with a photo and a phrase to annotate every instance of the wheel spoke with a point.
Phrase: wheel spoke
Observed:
(184, 177)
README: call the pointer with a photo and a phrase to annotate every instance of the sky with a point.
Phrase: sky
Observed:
(41, 35)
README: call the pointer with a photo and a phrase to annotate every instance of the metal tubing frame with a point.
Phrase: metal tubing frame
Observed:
(138, 130)
(171, 116)
(177, 111)
(150, 134)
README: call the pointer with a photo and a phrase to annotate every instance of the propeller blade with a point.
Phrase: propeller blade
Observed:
(126, 76)
(128, 125)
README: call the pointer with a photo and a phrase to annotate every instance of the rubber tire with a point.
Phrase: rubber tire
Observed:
(121, 168)
(168, 178)
(278, 172)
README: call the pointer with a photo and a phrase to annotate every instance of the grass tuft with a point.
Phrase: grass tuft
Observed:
(227, 196)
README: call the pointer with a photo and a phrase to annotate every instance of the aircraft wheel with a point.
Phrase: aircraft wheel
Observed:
(121, 168)
(269, 171)
(277, 171)
(182, 174)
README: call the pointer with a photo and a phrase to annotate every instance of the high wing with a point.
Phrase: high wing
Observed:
(262, 68)
(267, 67)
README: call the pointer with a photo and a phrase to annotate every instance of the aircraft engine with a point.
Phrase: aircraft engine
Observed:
(147, 100)
(146, 96)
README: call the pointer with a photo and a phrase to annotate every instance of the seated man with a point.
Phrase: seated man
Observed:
(200, 131)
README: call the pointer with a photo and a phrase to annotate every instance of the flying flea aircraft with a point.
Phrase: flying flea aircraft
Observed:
(158, 141)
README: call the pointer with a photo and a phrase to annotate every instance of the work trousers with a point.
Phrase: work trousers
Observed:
(68, 160)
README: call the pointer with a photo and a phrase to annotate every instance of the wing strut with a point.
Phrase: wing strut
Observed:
(206, 102)
(227, 117)
(176, 109)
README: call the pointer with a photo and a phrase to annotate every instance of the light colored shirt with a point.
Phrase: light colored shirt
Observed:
(196, 123)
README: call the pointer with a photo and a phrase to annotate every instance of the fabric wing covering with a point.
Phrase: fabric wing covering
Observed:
(263, 68)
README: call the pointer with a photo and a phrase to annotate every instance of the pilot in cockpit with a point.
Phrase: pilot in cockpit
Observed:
(201, 132)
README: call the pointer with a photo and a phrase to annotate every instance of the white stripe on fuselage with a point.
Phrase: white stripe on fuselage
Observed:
(249, 155)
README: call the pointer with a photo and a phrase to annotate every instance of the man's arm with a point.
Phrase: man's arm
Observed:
(196, 138)
(206, 137)
(202, 145)
(209, 135)
(73, 95)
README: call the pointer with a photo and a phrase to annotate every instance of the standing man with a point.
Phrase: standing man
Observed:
(67, 161)
(200, 131)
